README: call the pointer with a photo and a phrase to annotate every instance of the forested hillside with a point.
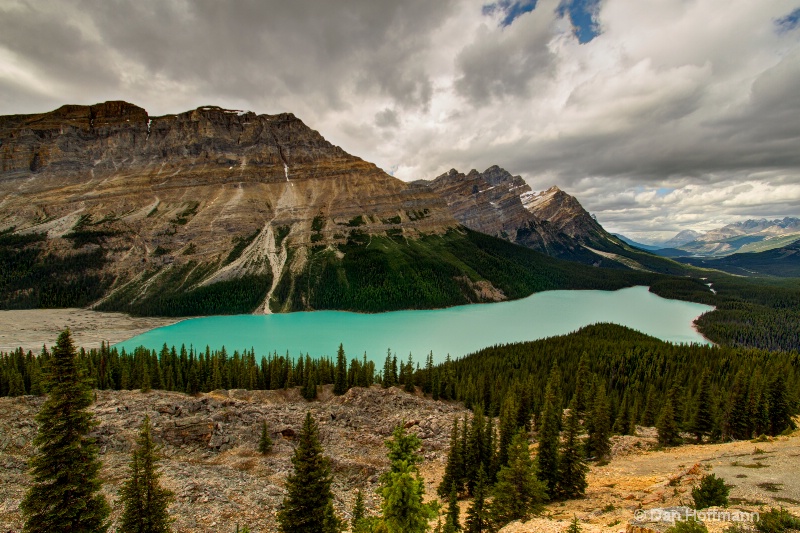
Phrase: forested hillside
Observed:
(637, 374)
(760, 313)
(459, 267)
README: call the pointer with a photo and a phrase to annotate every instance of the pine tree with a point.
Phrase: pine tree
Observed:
(779, 414)
(761, 416)
(145, 385)
(574, 526)
(64, 495)
(359, 512)
(517, 493)
(621, 425)
(702, 422)
(582, 384)
(308, 505)
(572, 469)
(490, 451)
(427, 381)
(340, 384)
(145, 501)
(676, 395)
(650, 409)
(467, 471)
(508, 427)
(453, 522)
(478, 519)
(309, 391)
(264, 441)
(408, 382)
(475, 452)
(16, 384)
(388, 376)
(547, 457)
(454, 468)
(598, 444)
(737, 423)
(402, 488)
(667, 427)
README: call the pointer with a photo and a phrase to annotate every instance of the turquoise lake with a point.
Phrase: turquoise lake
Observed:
(456, 330)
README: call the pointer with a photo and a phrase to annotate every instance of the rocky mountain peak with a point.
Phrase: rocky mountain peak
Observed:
(498, 203)
(562, 210)
(233, 191)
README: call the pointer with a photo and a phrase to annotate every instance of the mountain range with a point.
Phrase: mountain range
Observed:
(217, 211)
(756, 235)
(783, 261)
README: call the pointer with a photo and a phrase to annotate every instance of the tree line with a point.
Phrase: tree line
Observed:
(746, 392)
(758, 313)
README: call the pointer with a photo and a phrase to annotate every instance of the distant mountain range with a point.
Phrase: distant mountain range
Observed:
(740, 237)
(782, 262)
(684, 237)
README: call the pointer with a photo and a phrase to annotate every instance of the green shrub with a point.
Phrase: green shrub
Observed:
(712, 492)
(777, 520)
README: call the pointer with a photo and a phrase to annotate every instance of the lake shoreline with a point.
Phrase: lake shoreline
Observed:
(454, 331)
(30, 329)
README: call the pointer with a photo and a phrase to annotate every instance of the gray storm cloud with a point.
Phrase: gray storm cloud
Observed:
(677, 115)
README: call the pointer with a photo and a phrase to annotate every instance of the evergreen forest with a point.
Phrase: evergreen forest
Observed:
(636, 373)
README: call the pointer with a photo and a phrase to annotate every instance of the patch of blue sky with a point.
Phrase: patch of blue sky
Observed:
(511, 9)
(789, 22)
(582, 14)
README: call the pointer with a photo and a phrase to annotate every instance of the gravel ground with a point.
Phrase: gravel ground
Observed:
(209, 444)
(32, 328)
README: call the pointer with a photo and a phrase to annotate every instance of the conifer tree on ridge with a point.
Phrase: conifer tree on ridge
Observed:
(308, 505)
(145, 501)
(65, 493)
(550, 420)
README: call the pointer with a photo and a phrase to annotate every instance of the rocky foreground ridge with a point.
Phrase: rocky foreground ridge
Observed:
(210, 441)
(210, 460)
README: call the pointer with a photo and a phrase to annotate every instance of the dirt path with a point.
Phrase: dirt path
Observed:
(31, 328)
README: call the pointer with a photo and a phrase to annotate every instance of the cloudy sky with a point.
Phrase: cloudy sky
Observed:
(659, 115)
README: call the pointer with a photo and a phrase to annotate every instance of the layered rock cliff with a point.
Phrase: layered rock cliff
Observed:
(499, 204)
(550, 221)
(213, 194)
